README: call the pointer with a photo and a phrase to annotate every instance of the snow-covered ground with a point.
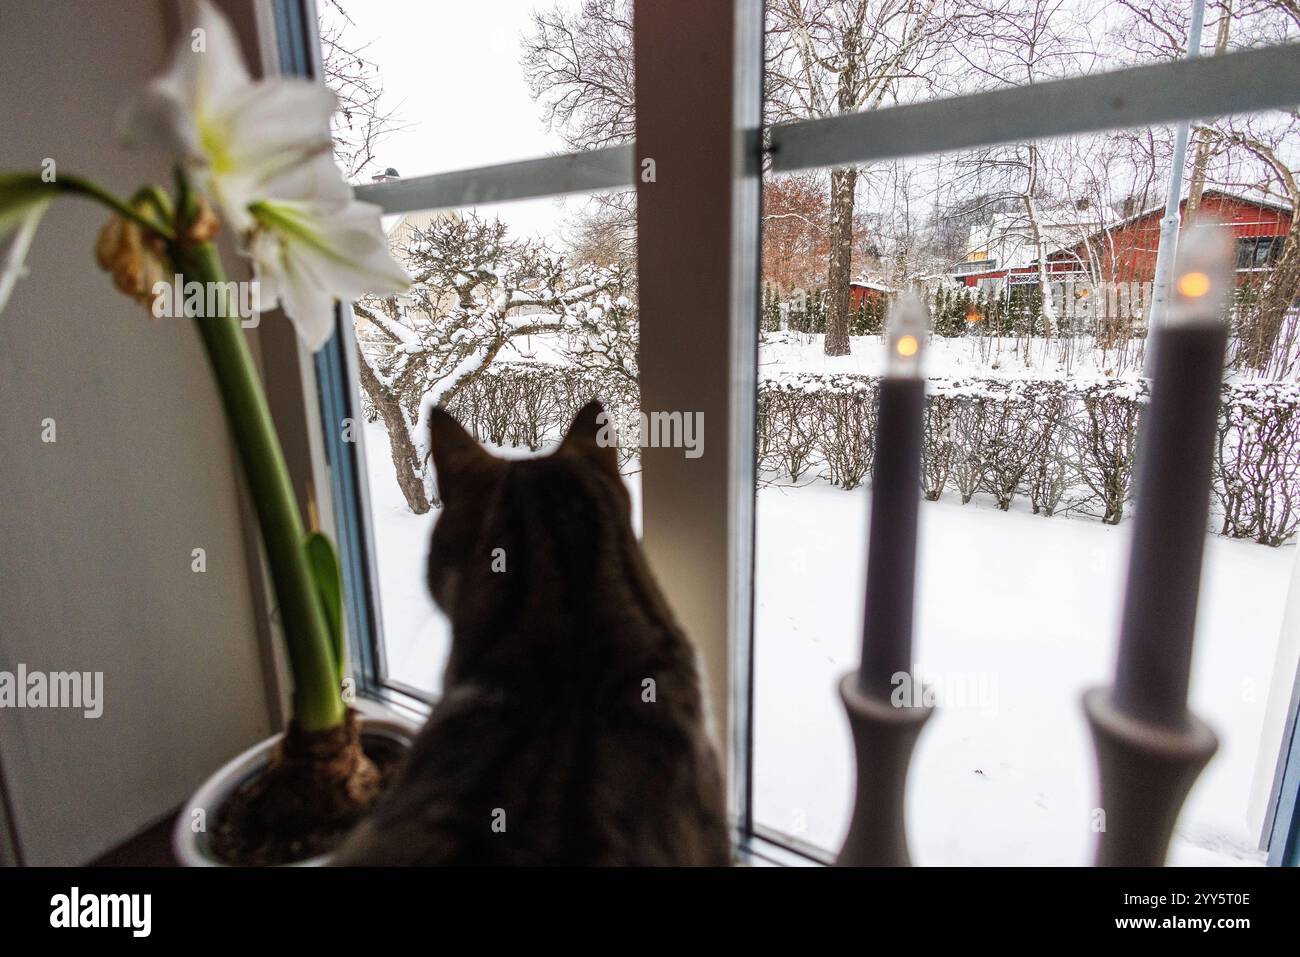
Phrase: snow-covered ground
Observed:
(1017, 611)
(1004, 357)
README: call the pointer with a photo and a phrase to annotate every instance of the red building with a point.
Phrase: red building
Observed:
(1126, 252)
(862, 291)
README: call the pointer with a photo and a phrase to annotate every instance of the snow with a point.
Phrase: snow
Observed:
(1016, 616)
(1005, 356)
(1023, 609)
(415, 634)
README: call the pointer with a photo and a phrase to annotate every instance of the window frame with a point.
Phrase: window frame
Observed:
(1162, 93)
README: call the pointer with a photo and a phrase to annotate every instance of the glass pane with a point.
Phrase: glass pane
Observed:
(431, 87)
(512, 326)
(435, 86)
(827, 57)
(1035, 262)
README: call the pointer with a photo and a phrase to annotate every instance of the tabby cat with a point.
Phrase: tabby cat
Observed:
(571, 727)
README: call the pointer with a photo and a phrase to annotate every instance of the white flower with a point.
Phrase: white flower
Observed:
(234, 135)
(262, 150)
(21, 209)
(306, 253)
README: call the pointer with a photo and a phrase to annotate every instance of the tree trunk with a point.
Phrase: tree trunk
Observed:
(839, 274)
(1202, 159)
(1045, 312)
(406, 461)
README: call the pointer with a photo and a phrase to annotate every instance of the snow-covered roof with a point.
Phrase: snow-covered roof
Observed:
(870, 284)
(1260, 198)
(1006, 238)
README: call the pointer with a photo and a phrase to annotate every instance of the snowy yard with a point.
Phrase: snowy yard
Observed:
(1004, 356)
(1021, 608)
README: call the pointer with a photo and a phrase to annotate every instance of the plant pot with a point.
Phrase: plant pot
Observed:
(193, 847)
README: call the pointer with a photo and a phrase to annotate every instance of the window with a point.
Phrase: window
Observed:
(1005, 594)
(522, 310)
(1258, 252)
(1022, 615)
(1004, 776)
(558, 328)
(1023, 538)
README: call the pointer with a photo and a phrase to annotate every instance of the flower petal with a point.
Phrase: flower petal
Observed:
(207, 70)
(235, 136)
(307, 255)
(17, 227)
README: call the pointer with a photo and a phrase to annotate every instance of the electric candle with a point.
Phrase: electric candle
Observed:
(895, 492)
(1173, 487)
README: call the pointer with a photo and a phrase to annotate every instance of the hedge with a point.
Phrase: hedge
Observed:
(1063, 445)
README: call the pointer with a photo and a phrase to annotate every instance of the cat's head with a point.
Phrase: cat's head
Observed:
(565, 503)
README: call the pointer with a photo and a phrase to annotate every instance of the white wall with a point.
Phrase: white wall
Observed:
(96, 529)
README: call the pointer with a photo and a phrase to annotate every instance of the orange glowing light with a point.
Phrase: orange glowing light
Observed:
(1193, 285)
(907, 346)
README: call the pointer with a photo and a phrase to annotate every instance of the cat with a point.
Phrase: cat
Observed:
(571, 729)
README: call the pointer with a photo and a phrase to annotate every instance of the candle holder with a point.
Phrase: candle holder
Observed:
(1146, 771)
(883, 739)
(1150, 748)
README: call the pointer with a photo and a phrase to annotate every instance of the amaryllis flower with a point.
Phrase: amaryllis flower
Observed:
(262, 150)
(306, 253)
(234, 135)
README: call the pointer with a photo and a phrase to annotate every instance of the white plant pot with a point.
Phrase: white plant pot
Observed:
(193, 848)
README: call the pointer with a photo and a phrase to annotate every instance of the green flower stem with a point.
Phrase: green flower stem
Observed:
(78, 186)
(317, 702)
(156, 197)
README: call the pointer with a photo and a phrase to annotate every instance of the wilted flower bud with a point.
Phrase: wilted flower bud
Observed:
(135, 260)
(204, 225)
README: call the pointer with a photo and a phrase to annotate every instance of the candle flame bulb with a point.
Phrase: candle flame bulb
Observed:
(1203, 277)
(906, 329)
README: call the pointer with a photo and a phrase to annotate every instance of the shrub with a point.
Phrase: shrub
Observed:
(1067, 445)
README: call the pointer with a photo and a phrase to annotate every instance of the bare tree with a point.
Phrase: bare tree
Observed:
(900, 198)
(1108, 177)
(825, 57)
(1019, 43)
(1205, 141)
(1258, 154)
(579, 68)
(796, 232)
(364, 117)
(476, 293)
(603, 233)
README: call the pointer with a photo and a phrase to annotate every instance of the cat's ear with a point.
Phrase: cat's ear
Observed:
(454, 451)
(593, 437)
